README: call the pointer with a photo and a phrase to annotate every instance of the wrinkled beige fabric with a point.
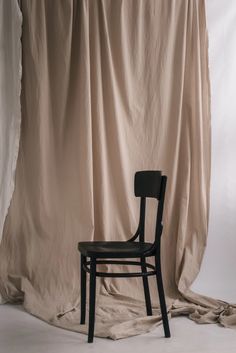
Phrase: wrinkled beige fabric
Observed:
(109, 87)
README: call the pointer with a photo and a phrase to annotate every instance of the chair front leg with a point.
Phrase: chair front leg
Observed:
(92, 299)
(82, 290)
(146, 287)
(162, 296)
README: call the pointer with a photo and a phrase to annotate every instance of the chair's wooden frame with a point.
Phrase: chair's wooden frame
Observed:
(147, 184)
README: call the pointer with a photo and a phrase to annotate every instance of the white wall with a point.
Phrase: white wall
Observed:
(10, 110)
(217, 277)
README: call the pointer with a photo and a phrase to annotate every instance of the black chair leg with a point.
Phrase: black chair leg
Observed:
(162, 297)
(146, 288)
(92, 299)
(83, 290)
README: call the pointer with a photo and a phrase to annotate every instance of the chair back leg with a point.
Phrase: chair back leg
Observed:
(146, 288)
(92, 299)
(83, 290)
(162, 297)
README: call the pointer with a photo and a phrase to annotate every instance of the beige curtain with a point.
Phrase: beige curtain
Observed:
(109, 87)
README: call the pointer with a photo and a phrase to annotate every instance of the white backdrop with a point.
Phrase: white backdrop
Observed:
(10, 117)
(217, 277)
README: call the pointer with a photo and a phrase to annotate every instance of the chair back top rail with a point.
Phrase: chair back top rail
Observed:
(150, 184)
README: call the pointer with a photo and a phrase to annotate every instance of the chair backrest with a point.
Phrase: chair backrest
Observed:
(150, 184)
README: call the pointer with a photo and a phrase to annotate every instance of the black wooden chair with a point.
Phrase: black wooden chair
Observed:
(147, 184)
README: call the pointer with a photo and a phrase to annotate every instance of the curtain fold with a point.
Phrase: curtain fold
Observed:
(109, 88)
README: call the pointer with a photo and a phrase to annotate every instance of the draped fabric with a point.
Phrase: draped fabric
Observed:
(109, 88)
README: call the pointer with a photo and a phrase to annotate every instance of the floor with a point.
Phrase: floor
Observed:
(21, 332)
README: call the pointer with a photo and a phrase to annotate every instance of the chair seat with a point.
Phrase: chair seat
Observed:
(113, 249)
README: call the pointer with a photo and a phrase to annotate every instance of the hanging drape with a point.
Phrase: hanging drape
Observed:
(108, 88)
